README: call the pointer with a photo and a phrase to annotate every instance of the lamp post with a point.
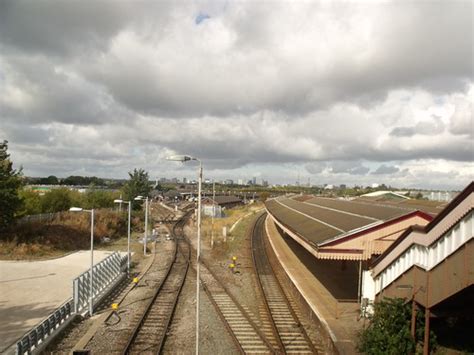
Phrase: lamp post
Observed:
(91, 271)
(128, 237)
(185, 158)
(141, 198)
(213, 212)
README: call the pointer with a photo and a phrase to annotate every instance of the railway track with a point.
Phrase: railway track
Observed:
(149, 334)
(291, 336)
(244, 327)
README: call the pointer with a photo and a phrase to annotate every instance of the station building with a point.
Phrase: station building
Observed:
(342, 237)
(432, 266)
(216, 206)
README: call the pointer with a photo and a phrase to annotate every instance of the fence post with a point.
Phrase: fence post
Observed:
(75, 295)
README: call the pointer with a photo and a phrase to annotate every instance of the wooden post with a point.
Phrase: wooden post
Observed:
(413, 306)
(426, 341)
(413, 318)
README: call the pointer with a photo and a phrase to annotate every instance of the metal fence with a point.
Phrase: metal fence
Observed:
(42, 218)
(49, 217)
(36, 338)
(105, 274)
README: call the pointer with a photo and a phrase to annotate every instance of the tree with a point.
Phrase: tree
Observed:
(264, 196)
(50, 180)
(10, 184)
(82, 181)
(99, 199)
(57, 200)
(138, 184)
(389, 329)
(31, 202)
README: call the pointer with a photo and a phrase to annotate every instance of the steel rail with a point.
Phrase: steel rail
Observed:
(261, 262)
(226, 320)
(149, 306)
(260, 286)
(175, 301)
(223, 319)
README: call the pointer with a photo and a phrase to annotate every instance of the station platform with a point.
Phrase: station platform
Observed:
(339, 319)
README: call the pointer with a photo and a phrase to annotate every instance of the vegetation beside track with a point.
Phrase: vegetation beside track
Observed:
(233, 240)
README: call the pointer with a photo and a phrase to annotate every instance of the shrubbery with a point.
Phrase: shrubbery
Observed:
(389, 329)
(62, 199)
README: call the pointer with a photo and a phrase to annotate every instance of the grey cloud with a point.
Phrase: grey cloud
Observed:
(83, 83)
(315, 168)
(62, 28)
(462, 121)
(386, 169)
(429, 128)
(55, 94)
(234, 79)
(340, 167)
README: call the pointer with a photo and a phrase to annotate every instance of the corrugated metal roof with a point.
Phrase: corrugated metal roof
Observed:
(321, 219)
(222, 200)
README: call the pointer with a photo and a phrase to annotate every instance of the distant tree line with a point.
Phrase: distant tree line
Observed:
(70, 181)
(17, 201)
(62, 199)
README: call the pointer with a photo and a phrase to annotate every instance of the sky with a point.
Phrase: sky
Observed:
(334, 92)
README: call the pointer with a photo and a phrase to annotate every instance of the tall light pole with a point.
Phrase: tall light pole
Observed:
(185, 158)
(213, 211)
(141, 198)
(128, 238)
(91, 270)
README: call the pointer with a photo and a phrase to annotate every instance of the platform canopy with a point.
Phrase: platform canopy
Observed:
(341, 229)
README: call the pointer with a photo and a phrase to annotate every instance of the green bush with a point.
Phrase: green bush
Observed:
(10, 184)
(389, 329)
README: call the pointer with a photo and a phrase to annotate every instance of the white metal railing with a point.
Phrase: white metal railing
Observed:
(428, 257)
(105, 273)
(37, 336)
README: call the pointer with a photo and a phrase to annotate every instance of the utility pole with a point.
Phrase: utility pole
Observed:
(213, 211)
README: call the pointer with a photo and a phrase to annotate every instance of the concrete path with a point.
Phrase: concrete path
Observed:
(31, 290)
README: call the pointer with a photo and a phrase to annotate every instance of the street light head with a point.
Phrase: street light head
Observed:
(139, 198)
(118, 201)
(181, 158)
(75, 209)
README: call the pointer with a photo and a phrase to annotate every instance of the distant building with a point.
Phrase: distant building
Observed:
(216, 206)
(254, 180)
(386, 194)
(240, 182)
(229, 182)
(439, 195)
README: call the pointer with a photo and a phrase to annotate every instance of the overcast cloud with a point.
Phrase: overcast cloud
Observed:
(352, 92)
